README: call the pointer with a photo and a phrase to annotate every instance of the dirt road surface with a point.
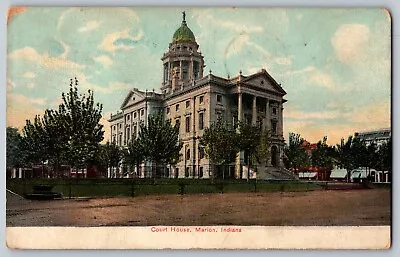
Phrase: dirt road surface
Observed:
(315, 208)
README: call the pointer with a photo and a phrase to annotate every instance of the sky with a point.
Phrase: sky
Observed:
(334, 64)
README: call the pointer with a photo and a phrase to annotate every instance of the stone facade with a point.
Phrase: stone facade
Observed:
(195, 101)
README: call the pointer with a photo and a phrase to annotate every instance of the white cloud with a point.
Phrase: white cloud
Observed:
(89, 26)
(29, 75)
(284, 60)
(236, 44)
(350, 41)
(205, 19)
(110, 88)
(45, 60)
(104, 60)
(108, 41)
(322, 79)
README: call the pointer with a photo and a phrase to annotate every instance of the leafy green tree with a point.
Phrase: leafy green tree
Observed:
(249, 139)
(263, 150)
(14, 151)
(323, 154)
(371, 160)
(295, 152)
(34, 143)
(159, 141)
(112, 156)
(220, 142)
(55, 138)
(344, 155)
(133, 155)
(384, 156)
(80, 117)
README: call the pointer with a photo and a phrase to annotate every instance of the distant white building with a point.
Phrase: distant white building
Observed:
(377, 136)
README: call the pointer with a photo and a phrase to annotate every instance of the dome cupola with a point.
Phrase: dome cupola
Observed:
(183, 33)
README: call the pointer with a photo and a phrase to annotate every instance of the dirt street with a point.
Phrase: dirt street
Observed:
(354, 207)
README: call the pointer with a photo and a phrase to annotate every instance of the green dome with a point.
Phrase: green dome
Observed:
(183, 34)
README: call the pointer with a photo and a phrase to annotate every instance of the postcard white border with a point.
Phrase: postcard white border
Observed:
(186, 237)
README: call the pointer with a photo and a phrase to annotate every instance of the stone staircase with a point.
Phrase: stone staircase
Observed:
(274, 173)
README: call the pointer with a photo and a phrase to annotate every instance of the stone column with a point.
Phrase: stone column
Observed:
(267, 116)
(254, 111)
(240, 155)
(20, 173)
(194, 150)
(280, 108)
(240, 108)
(268, 125)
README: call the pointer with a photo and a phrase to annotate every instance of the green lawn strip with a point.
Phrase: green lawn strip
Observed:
(129, 187)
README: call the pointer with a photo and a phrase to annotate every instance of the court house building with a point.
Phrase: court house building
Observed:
(194, 100)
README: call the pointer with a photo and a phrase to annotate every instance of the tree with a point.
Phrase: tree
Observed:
(14, 150)
(133, 155)
(344, 155)
(34, 143)
(55, 138)
(384, 155)
(372, 154)
(295, 152)
(112, 156)
(263, 150)
(249, 139)
(159, 142)
(322, 155)
(81, 119)
(220, 142)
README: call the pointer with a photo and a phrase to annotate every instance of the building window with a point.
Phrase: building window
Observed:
(187, 171)
(201, 120)
(274, 111)
(187, 103)
(201, 172)
(134, 131)
(128, 134)
(120, 125)
(219, 98)
(274, 128)
(113, 139)
(114, 127)
(167, 110)
(187, 123)
(120, 140)
(134, 115)
(142, 112)
(201, 99)
(177, 107)
(201, 152)
(187, 155)
(178, 123)
(176, 172)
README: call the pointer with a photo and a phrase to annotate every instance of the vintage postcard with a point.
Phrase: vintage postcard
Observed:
(198, 128)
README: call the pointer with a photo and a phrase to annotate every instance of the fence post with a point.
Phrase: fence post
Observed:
(255, 186)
